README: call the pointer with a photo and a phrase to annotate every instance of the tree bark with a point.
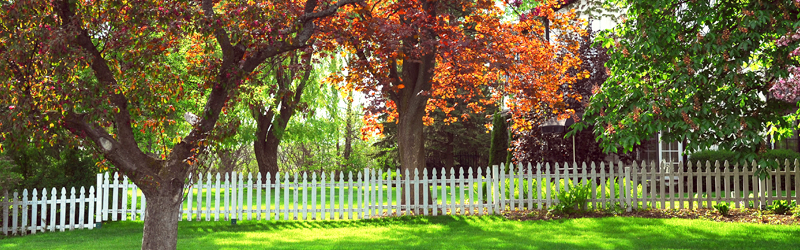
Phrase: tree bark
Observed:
(161, 219)
(265, 145)
(411, 109)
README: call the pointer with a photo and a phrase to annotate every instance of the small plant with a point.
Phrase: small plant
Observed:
(614, 208)
(570, 201)
(781, 207)
(796, 211)
(723, 207)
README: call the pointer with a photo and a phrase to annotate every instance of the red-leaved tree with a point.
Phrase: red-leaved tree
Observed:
(109, 71)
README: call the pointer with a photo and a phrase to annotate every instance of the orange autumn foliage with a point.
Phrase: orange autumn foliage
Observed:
(474, 50)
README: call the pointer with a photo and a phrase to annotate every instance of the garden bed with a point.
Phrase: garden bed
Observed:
(735, 215)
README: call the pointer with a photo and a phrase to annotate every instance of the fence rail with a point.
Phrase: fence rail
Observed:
(371, 193)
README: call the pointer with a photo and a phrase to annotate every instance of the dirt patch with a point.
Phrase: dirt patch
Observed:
(735, 215)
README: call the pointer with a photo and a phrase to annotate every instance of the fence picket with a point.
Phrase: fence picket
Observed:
(603, 187)
(726, 182)
(652, 184)
(239, 197)
(53, 209)
(520, 197)
(125, 187)
(530, 184)
(407, 192)
(737, 189)
(200, 189)
(511, 187)
(35, 207)
(612, 184)
(628, 189)
(350, 209)
(373, 189)
(670, 185)
(304, 210)
(717, 180)
(460, 182)
(105, 202)
(786, 183)
(314, 195)
(681, 183)
(453, 210)
(635, 186)
(709, 175)
(249, 197)
(547, 183)
(23, 229)
(470, 190)
(434, 192)
(268, 195)
(323, 189)
(797, 181)
(91, 202)
(426, 190)
(480, 182)
(487, 193)
(341, 195)
(381, 189)
(662, 187)
(539, 182)
(227, 197)
(332, 196)
(444, 192)
(71, 208)
(690, 188)
(189, 201)
(63, 215)
(98, 198)
(397, 188)
(359, 193)
(14, 213)
(144, 207)
(286, 201)
(114, 201)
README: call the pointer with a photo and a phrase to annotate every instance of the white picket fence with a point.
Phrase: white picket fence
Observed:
(371, 194)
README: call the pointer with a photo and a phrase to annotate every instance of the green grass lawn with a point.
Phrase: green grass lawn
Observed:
(444, 232)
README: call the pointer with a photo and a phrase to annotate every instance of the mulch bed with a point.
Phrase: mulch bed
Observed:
(735, 215)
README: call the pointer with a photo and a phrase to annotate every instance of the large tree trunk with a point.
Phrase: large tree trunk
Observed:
(411, 109)
(265, 145)
(161, 219)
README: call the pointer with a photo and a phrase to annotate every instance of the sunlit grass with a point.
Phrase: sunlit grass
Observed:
(444, 232)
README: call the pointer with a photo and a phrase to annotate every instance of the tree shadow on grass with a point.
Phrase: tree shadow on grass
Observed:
(443, 232)
(488, 232)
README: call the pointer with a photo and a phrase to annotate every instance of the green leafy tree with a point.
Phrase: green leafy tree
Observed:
(498, 152)
(698, 71)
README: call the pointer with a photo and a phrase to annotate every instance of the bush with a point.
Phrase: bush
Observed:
(393, 175)
(9, 180)
(569, 202)
(712, 156)
(723, 207)
(782, 207)
(781, 155)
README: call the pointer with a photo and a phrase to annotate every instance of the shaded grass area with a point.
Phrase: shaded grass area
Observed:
(444, 232)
